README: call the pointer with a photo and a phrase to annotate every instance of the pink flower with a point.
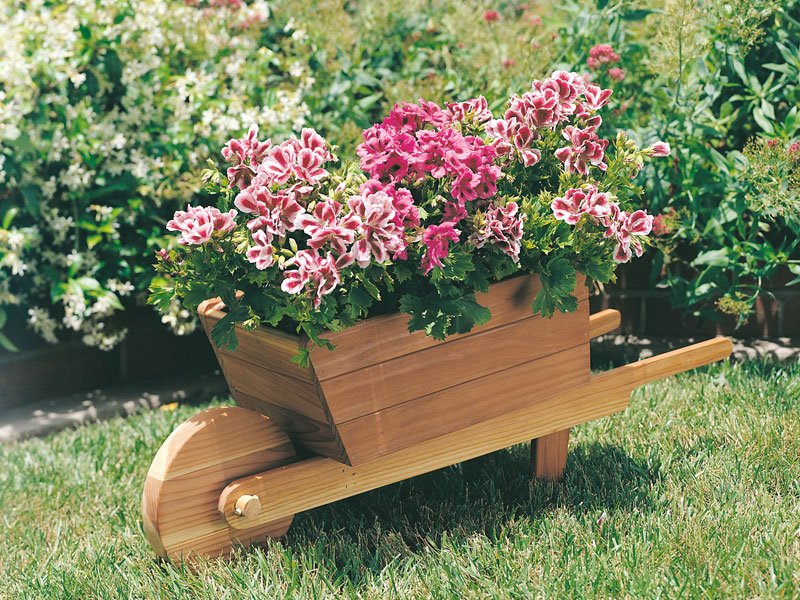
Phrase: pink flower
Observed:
(261, 253)
(578, 202)
(628, 229)
(601, 54)
(313, 141)
(406, 212)
(318, 274)
(587, 149)
(279, 163)
(275, 212)
(616, 74)
(567, 85)
(491, 16)
(437, 240)
(664, 224)
(380, 235)
(308, 166)
(385, 152)
(476, 108)
(659, 149)
(503, 228)
(502, 132)
(245, 154)
(326, 225)
(198, 223)
(596, 97)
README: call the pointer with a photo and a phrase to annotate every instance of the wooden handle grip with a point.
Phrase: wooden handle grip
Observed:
(604, 322)
(674, 362)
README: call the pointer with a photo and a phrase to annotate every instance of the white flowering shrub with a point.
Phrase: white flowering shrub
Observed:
(105, 105)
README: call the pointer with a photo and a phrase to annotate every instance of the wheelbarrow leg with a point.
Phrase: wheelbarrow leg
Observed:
(549, 455)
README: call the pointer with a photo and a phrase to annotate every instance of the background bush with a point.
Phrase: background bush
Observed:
(108, 111)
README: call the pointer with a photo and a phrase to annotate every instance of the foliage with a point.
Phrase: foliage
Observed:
(719, 82)
(444, 201)
(105, 110)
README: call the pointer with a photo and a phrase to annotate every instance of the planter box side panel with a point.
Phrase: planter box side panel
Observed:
(262, 378)
(466, 404)
(383, 338)
(462, 359)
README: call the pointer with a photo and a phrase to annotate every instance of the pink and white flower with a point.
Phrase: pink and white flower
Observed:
(587, 150)
(198, 223)
(313, 272)
(380, 234)
(326, 225)
(476, 108)
(503, 228)
(659, 149)
(577, 202)
(261, 254)
(628, 229)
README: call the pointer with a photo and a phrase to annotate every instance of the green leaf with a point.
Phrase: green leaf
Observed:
(7, 343)
(302, 358)
(160, 296)
(602, 272)
(712, 258)
(558, 281)
(224, 333)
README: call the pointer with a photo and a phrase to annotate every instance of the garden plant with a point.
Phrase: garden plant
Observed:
(443, 202)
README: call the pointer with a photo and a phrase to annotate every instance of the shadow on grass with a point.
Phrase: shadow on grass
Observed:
(482, 496)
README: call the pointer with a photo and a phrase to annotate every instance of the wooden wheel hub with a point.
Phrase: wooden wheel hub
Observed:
(202, 456)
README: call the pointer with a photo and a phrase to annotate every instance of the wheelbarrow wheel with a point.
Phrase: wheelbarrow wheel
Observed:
(190, 470)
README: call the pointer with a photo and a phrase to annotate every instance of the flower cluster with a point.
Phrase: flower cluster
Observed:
(601, 54)
(106, 108)
(444, 200)
(626, 229)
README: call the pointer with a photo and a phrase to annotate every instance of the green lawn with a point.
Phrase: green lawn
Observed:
(694, 491)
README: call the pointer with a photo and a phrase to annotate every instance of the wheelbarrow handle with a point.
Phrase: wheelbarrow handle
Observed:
(671, 363)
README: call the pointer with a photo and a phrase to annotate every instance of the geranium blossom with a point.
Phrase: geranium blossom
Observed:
(659, 149)
(437, 240)
(477, 108)
(261, 254)
(326, 225)
(197, 223)
(578, 202)
(627, 229)
(316, 273)
(587, 150)
(503, 227)
(380, 235)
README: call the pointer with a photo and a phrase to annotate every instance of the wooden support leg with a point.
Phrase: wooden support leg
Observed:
(549, 455)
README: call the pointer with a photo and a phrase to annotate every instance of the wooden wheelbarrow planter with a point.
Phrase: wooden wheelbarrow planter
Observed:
(384, 406)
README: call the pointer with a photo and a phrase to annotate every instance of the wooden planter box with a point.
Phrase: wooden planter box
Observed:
(368, 396)
(383, 406)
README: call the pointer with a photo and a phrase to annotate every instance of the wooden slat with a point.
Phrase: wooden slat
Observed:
(181, 494)
(467, 358)
(549, 455)
(320, 438)
(463, 405)
(382, 338)
(319, 481)
(675, 361)
(301, 397)
(604, 322)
